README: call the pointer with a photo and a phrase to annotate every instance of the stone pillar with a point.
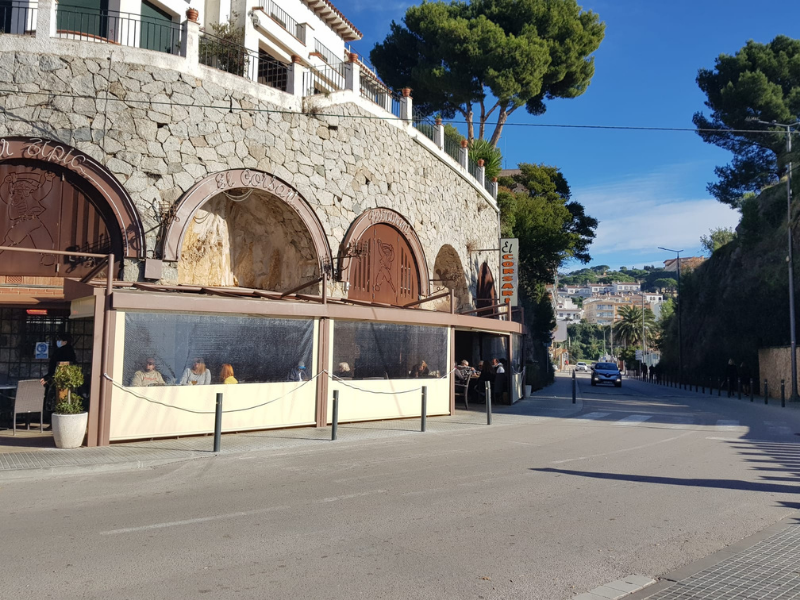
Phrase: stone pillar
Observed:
(190, 39)
(494, 188)
(352, 74)
(439, 133)
(463, 156)
(481, 172)
(294, 83)
(406, 106)
(46, 18)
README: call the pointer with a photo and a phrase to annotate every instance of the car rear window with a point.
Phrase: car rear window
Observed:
(605, 366)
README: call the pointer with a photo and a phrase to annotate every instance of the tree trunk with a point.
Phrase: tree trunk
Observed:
(498, 129)
(470, 125)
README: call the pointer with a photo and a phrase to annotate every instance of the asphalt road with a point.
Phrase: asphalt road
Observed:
(641, 481)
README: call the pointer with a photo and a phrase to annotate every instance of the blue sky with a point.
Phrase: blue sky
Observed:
(647, 189)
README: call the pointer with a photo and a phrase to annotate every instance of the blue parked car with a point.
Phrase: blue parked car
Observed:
(604, 372)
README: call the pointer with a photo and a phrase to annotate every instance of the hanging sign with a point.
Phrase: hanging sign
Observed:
(509, 270)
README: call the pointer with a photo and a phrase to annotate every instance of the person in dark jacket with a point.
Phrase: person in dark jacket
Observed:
(744, 377)
(732, 375)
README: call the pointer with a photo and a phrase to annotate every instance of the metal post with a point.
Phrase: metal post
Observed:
(783, 394)
(335, 419)
(766, 392)
(791, 261)
(719, 389)
(739, 383)
(752, 391)
(218, 424)
(424, 408)
(488, 403)
(574, 387)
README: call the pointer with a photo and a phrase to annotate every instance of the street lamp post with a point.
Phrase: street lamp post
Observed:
(680, 333)
(789, 258)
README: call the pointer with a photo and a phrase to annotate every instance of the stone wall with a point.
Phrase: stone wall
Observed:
(774, 365)
(160, 127)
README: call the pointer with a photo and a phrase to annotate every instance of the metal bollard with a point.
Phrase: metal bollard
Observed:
(704, 386)
(783, 394)
(739, 383)
(766, 392)
(574, 387)
(488, 403)
(424, 423)
(719, 390)
(218, 424)
(752, 391)
(335, 419)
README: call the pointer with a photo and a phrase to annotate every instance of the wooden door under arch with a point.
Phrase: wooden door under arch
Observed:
(487, 295)
(385, 270)
(46, 208)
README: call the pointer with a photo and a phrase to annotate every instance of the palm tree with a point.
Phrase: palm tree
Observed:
(629, 328)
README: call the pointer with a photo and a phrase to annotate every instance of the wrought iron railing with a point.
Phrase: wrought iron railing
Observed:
(472, 167)
(18, 18)
(323, 80)
(125, 29)
(374, 90)
(282, 18)
(272, 72)
(425, 125)
(328, 55)
(453, 148)
(227, 56)
(489, 185)
(396, 104)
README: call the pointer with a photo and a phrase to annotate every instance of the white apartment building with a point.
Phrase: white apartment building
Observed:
(625, 288)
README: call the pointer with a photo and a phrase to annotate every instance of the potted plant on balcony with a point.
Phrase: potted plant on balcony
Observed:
(69, 418)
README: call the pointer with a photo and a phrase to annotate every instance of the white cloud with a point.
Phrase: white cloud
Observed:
(639, 214)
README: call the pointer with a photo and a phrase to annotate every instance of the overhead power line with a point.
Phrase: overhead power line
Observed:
(231, 108)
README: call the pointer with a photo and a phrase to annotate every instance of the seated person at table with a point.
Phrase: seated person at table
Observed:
(420, 370)
(197, 374)
(226, 374)
(149, 376)
(462, 373)
(343, 371)
(298, 373)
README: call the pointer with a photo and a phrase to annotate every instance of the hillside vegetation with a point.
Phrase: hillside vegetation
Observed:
(738, 300)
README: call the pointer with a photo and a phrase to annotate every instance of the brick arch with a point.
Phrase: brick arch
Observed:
(370, 224)
(238, 179)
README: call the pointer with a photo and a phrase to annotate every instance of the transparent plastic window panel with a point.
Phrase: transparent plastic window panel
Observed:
(258, 350)
(388, 350)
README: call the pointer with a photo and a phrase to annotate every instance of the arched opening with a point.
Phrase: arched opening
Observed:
(249, 229)
(448, 272)
(248, 238)
(486, 293)
(53, 197)
(384, 270)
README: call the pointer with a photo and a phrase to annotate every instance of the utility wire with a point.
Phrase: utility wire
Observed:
(230, 108)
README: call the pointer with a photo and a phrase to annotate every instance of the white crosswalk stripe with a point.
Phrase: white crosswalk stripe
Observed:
(727, 425)
(634, 419)
(778, 428)
(678, 423)
(592, 416)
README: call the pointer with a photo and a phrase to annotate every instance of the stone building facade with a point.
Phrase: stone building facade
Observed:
(323, 214)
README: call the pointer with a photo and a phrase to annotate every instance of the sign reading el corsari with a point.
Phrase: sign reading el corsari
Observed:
(509, 269)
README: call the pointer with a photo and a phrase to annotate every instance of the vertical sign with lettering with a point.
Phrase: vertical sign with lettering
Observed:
(509, 270)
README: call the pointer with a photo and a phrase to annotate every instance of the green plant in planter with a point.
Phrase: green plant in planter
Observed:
(68, 378)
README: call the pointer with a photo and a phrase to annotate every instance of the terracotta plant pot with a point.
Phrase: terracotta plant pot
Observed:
(69, 430)
(192, 14)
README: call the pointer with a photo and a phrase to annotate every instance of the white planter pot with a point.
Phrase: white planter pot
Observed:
(69, 430)
(528, 391)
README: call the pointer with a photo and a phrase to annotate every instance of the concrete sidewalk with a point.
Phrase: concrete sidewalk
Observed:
(23, 462)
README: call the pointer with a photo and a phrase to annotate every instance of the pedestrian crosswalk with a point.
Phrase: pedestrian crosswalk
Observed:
(684, 421)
